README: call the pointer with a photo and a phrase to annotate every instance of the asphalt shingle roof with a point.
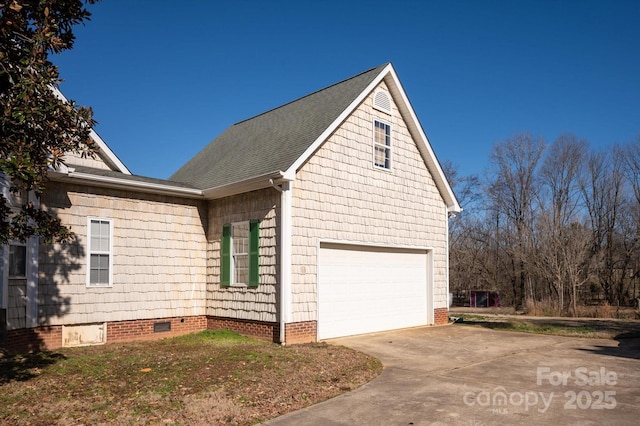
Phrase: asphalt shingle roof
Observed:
(272, 141)
(132, 178)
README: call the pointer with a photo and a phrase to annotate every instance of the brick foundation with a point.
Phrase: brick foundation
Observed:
(301, 332)
(259, 329)
(26, 340)
(37, 339)
(441, 316)
(126, 331)
(50, 338)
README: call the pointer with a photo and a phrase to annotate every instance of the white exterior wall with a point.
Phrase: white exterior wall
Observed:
(258, 304)
(339, 195)
(159, 265)
(72, 159)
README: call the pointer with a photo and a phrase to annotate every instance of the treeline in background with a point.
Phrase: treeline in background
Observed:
(554, 228)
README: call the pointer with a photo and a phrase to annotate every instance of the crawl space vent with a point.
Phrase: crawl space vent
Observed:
(159, 327)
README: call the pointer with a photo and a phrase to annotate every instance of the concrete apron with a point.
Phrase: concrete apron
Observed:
(471, 376)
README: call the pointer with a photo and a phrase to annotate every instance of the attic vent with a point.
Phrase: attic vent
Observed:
(382, 102)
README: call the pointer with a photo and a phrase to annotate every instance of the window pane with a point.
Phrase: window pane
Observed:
(104, 229)
(95, 228)
(382, 145)
(241, 269)
(240, 251)
(99, 269)
(380, 157)
(93, 276)
(104, 276)
(17, 261)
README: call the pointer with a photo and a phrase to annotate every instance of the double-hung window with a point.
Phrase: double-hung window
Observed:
(381, 145)
(100, 258)
(240, 254)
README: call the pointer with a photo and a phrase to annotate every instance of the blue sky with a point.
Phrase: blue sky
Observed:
(164, 78)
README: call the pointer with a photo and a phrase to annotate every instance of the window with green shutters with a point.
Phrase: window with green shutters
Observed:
(240, 254)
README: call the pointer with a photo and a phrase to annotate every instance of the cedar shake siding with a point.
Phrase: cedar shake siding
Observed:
(243, 302)
(339, 195)
(158, 254)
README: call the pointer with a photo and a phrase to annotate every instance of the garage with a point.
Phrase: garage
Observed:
(364, 289)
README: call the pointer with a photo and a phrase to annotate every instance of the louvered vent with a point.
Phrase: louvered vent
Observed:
(382, 102)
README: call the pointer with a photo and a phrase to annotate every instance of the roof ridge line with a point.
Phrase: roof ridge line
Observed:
(311, 94)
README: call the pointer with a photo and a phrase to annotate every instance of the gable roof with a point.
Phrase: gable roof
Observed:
(272, 141)
(275, 144)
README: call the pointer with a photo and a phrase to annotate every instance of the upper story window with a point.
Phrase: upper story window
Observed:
(240, 254)
(100, 259)
(17, 260)
(381, 145)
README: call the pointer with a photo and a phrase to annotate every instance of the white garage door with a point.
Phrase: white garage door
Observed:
(368, 289)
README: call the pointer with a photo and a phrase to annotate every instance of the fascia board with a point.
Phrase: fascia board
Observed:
(252, 184)
(116, 183)
(423, 143)
(337, 122)
(389, 75)
(111, 157)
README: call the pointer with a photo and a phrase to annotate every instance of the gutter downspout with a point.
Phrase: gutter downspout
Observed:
(285, 189)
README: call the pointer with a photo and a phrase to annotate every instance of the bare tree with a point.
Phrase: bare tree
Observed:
(602, 186)
(514, 192)
(557, 249)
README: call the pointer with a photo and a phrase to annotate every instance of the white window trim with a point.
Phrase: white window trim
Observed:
(232, 278)
(374, 144)
(89, 252)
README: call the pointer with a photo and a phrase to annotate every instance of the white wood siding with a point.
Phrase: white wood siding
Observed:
(72, 159)
(159, 265)
(339, 195)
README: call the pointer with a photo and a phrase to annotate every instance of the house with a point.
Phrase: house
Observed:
(321, 218)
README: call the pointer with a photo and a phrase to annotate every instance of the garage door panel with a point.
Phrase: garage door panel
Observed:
(363, 290)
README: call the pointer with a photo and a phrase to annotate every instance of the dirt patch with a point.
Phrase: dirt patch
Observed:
(207, 378)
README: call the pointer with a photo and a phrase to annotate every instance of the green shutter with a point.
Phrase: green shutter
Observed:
(254, 253)
(225, 267)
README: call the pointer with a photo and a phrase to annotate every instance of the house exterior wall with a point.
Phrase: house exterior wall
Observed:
(159, 266)
(17, 303)
(71, 158)
(244, 303)
(339, 195)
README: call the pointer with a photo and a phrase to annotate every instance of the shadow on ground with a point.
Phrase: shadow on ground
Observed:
(25, 367)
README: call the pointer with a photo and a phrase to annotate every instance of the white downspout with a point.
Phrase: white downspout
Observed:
(446, 221)
(285, 257)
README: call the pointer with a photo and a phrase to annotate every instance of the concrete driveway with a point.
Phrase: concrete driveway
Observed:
(464, 375)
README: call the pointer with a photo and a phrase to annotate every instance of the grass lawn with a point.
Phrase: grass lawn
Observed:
(570, 327)
(212, 377)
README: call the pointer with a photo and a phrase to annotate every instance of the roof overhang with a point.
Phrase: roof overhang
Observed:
(252, 184)
(69, 175)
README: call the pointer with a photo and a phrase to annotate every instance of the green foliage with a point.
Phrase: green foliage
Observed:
(37, 128)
